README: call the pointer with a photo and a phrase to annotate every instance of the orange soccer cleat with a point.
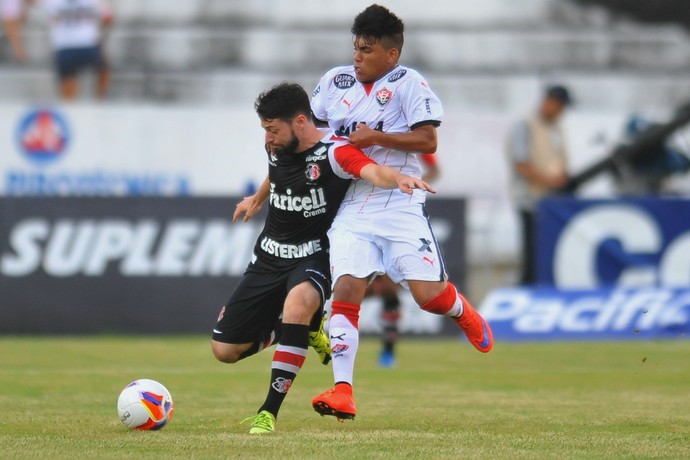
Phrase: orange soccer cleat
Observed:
(475, 327)
(337, 403)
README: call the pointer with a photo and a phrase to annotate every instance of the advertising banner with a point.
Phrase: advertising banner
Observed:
(636, 242)
(141, 149)
(140, 264)
(602, 314)
(82, 150)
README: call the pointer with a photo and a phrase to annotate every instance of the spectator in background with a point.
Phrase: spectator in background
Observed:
(539, 162)
(13, 16)
(77, 29)
(387, 290)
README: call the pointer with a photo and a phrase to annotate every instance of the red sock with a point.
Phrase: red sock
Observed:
(348, 310)
(442, 303)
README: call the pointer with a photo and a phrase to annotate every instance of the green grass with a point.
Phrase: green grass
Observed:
(444, 400)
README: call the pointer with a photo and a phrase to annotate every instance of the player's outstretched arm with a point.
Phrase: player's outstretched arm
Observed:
(385, 177)
(251, 205)
(422, 139)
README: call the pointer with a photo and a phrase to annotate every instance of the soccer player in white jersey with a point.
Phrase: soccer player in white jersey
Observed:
(389, 112)
(77, 31)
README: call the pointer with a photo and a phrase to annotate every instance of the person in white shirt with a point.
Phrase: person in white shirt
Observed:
(77, 31)
(388, 111)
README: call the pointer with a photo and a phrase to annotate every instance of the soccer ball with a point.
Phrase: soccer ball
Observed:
(145, 405)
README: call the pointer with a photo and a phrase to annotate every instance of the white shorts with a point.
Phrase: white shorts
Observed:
(398, 242)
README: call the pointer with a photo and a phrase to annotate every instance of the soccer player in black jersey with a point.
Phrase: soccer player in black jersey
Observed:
(288, 279)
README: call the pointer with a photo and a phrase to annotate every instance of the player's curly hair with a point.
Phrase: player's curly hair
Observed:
(283, 102)
(378, 24)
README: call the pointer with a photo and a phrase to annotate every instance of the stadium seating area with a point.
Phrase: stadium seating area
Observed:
(479, 55)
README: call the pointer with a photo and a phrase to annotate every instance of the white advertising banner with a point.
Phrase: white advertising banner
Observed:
(108, 149)
(113, 150)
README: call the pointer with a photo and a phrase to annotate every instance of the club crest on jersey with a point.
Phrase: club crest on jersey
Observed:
(383, 96)
(313, 171)
(343, 81)
(397, 75)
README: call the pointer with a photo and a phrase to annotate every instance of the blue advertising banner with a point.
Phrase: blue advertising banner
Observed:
(589, 244)
(603, 314)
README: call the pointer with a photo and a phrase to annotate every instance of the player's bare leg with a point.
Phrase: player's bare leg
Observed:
(230, 353)
(102, 83)
(68, 88)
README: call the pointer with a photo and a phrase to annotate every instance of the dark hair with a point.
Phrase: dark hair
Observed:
(377, 24)
(283, 102)
(559, 93)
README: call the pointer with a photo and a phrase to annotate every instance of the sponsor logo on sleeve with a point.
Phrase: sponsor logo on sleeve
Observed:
(397, 75)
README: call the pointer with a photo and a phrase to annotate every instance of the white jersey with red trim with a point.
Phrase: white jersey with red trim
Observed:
(76, 23)
(398, 102)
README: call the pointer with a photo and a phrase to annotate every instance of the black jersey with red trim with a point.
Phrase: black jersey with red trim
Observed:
(306, 190)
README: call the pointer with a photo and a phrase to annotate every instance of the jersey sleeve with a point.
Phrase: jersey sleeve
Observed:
(347, 161)
(420, 103)
(318, 98)
(428, 159)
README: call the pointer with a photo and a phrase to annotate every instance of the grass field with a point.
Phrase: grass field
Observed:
(444, 400)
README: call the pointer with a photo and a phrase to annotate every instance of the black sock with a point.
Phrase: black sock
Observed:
(287, 361)
(315, 323)
(390, 317)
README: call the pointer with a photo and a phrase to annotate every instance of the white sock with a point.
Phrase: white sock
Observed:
(344, 343)
(457, 309)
